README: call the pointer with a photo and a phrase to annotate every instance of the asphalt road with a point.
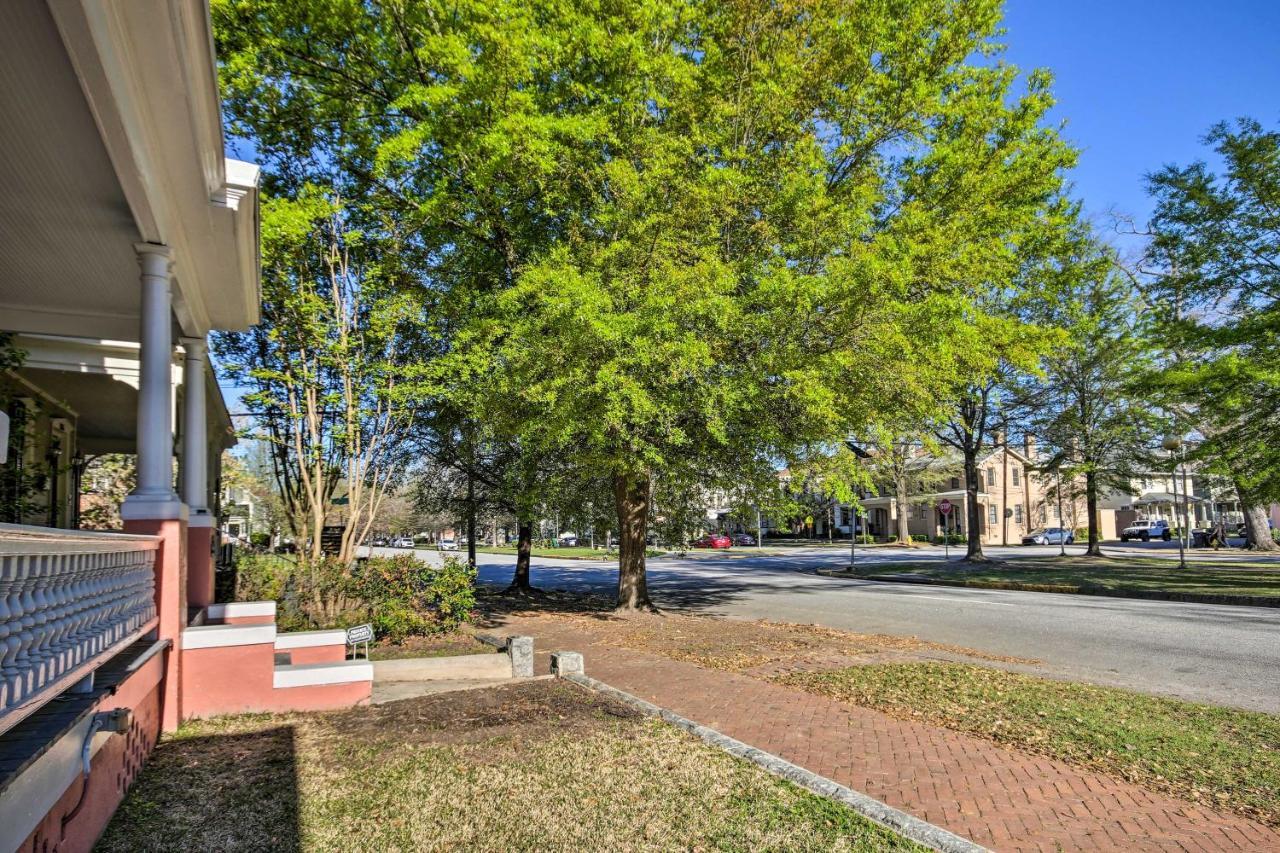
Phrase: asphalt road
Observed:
(1213, 653)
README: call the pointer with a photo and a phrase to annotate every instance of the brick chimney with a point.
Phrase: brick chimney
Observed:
(1029, 446)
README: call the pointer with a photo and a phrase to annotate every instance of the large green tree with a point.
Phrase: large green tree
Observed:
(1090, 406)
(788, 240)
(666, 238)
(1215, 259)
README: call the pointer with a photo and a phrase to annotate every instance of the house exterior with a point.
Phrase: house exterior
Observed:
(1202, 498)
(126, 236)
(1013, 500)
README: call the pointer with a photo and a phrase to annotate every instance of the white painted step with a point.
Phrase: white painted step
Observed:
(315, 674)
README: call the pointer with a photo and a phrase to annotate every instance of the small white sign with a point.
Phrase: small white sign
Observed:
(359, 634)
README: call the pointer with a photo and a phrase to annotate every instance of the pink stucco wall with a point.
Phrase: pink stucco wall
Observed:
(114, 767)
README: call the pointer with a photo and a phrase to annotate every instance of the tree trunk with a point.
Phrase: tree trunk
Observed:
(471, 520)
(524, 550)
(973, 512)
(1091, 508)
(1256, 530)
(631, 498)
(902, 487)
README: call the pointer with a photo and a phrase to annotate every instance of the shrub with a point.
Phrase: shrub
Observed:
(406, 596)
(920, 537)
(401, 596)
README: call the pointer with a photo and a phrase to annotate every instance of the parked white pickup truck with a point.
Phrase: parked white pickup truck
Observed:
(1147, 529)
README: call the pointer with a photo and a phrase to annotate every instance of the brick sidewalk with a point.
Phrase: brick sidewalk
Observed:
(997, 797)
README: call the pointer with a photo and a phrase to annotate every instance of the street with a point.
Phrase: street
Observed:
(1212, 653)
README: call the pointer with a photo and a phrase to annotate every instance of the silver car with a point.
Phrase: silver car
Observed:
(1050, 536)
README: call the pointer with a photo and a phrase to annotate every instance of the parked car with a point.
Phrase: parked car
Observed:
(1049, 536)
(379, 542)
(1147, 529)
(568, 540)
(713, 540)
(446, 543)
(402, 542)
(744, 539)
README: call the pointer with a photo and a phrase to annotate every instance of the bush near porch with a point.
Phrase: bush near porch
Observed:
(401, 595)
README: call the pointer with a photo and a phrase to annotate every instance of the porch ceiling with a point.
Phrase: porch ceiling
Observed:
(112, 136)
(56, 180)
(106, 407)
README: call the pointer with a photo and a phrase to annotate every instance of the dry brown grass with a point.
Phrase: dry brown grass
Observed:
(760, 647)
(541, 766)
(460, 642)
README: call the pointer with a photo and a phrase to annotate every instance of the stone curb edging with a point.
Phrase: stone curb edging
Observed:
(1065, 589)
(909, 826)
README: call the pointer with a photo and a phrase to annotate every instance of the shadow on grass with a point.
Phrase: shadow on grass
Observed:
(213, 791)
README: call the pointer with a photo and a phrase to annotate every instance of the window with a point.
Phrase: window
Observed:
(955, 482)
(991, 477)
(1017, 513)
(1016, 474)
(992, 517)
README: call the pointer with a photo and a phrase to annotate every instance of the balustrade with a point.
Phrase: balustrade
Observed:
(68, 599)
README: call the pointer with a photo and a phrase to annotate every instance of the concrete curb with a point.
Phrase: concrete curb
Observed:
(909, 826)
(1066, 589)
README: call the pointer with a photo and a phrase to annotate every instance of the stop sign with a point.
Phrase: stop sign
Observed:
(944, 506)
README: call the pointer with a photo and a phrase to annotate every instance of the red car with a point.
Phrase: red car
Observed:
(714, 540)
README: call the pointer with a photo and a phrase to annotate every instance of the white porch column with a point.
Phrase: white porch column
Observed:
(154, 497)
(195, 442)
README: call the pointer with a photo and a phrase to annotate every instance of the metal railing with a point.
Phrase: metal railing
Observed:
(68, 601)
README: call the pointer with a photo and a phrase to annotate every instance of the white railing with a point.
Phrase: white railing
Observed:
(68, 601)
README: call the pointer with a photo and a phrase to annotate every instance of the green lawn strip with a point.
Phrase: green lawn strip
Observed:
(1116, 574)
(553, 769)
(1219, 757)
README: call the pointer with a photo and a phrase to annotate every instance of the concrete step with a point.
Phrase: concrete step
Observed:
(319, 674)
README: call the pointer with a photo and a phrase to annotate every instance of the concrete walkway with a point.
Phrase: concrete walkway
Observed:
(997, 797)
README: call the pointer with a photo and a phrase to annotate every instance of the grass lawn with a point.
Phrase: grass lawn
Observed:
(528, 767)
(1219, 757)
(1113, 573)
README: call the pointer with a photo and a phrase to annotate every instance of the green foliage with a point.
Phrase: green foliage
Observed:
(407, 597)
(1090, 407)
(1215, 252)
(401, 596)
(671, 240)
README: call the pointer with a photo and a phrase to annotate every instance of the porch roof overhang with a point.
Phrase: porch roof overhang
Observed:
(1153, 498)
(954, 494)
(112, 136)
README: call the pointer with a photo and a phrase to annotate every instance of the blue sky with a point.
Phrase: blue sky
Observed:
(1139, 82)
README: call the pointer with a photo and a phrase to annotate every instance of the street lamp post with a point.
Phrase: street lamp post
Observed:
(1173, 444)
